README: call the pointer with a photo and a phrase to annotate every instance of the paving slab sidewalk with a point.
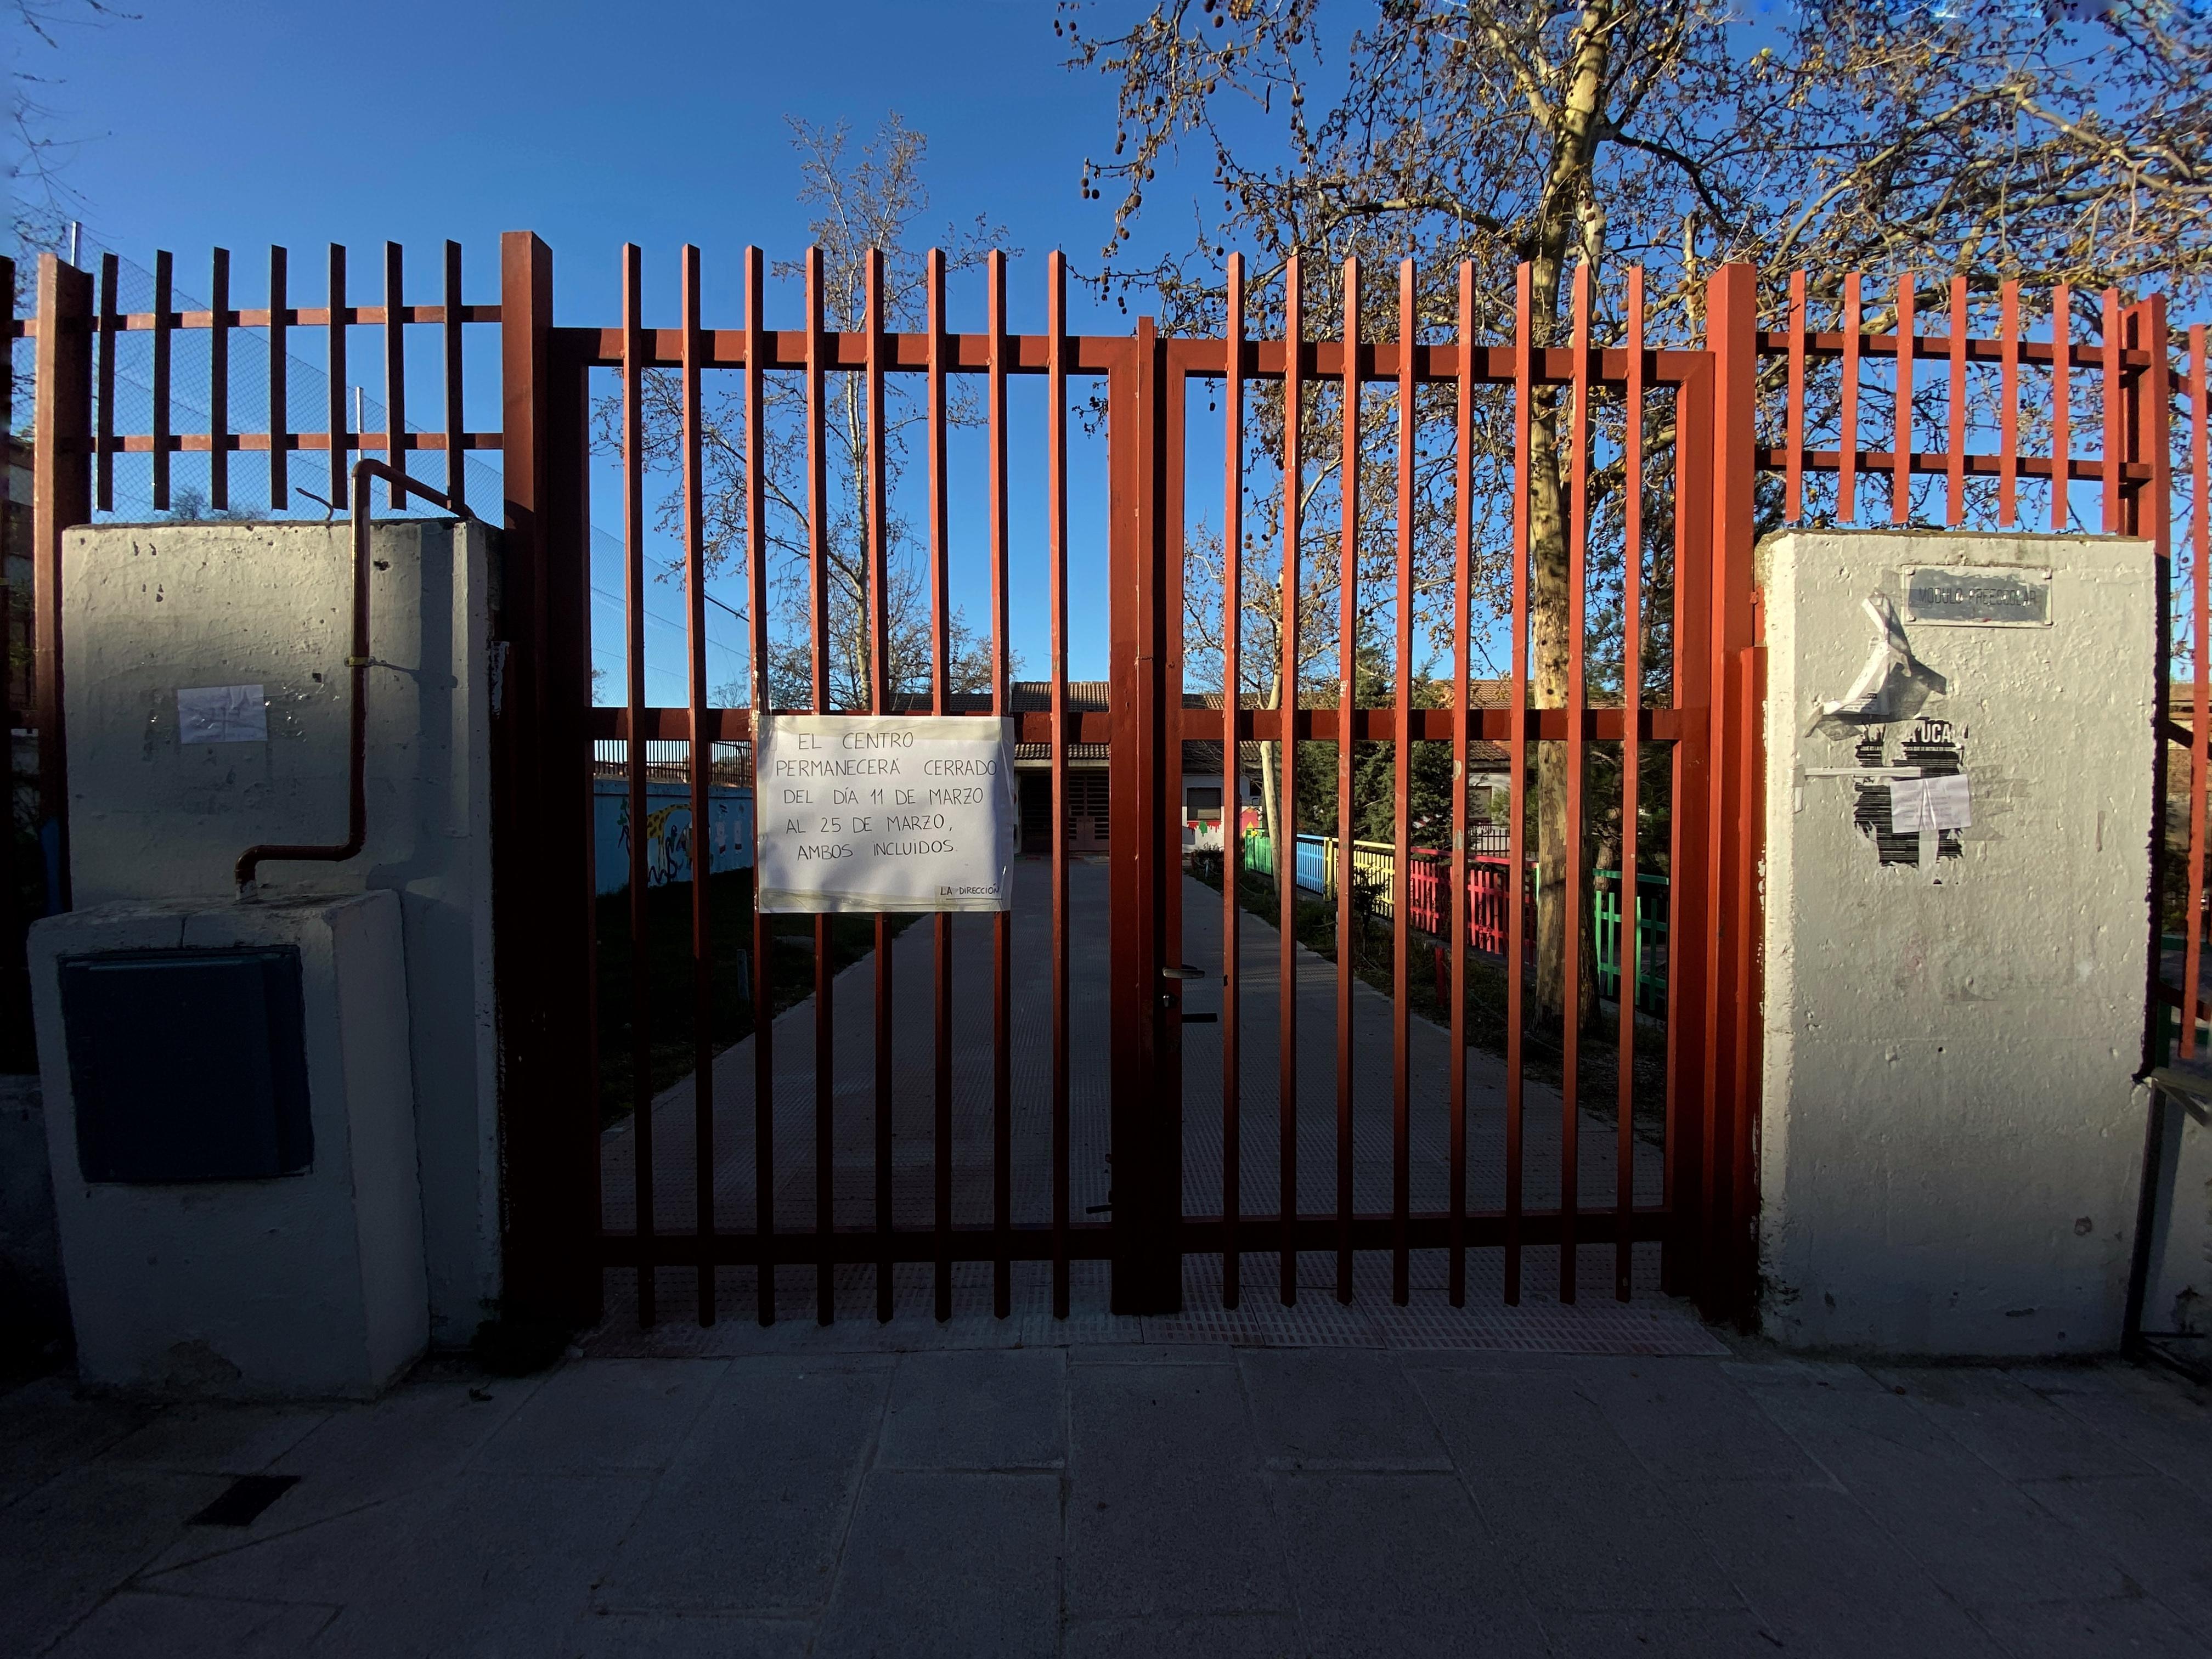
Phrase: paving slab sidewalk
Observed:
(1199, 1497)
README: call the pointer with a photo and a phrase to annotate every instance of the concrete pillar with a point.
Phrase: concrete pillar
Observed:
(150, 610)
(1951, 1131)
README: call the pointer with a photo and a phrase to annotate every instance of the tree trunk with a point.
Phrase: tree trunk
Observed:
(1550, 647)
(1270, 806)
(1566, 212)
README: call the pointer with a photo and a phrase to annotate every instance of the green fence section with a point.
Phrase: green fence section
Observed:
(1258, 853)
(1650, 942)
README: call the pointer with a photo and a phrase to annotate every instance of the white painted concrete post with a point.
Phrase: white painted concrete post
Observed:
(152, 609)
(1951, 1133)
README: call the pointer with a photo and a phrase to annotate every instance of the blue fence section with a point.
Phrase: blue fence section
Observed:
(1313, 864)
(668, 831)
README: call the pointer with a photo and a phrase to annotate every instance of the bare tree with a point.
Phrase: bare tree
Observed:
(2003, 141)
(39, 197)
(865, 197)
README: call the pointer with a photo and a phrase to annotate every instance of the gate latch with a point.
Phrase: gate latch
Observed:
(1186, 971)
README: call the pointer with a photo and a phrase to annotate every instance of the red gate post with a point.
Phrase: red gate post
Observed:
(16, 989)
(1689, 982)
(1146, 1082)
(2148, 434)
(541, 895)
(1728, 1194)
(61, 496)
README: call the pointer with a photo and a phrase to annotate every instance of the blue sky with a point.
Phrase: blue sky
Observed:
(247, 122)
(251, 121)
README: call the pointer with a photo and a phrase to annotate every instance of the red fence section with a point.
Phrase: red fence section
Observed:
(1825, 388)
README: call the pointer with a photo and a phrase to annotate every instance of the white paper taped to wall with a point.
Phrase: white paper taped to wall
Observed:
(1925, 805)
(222, 714)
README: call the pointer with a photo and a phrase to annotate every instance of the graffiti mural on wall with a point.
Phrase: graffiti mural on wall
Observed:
(668, 832)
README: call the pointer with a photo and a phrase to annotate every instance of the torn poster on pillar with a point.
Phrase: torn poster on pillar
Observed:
(1893, 686)
(222, 714)
(1914, 802)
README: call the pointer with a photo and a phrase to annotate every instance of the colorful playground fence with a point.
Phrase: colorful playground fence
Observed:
(1429, 882)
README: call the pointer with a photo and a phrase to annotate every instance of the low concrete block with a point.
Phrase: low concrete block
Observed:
(306, 1285)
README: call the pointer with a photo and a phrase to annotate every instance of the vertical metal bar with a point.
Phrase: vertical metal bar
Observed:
(1689, 841)
(12, 708)
(1900, 456)
(219, 381)
(542, 807)
(1524, 379)
(1232, 773)
(457, 460)
(879, 625)
(164, 311)
(395, 371)
(1628, 953)
(2115, 401)
(702, 768)
(1732, 337)
(940, 684)
(640, 984)
(2062, 406)
(2009, 406)
(1793, 454)
(336, 373)
(13, 716)
(818, 555)
(2147, 510)
(1401, 863)
(1577, 691)
(1170, 453)
(1002, 704)
(1462, 717)
(61, 497)
(1847, 476)
(280, 421)
(1142, 1079)
(1286, 856)
(1738, 1298)
(111, 325)
(1348, 699)
(1056, 561)
(757, 662)
(2200, 722)
(1954, 464)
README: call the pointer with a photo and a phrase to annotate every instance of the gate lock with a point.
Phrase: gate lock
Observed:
(1185, 972)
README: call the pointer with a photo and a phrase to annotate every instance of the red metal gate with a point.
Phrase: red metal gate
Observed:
(1738, 407)
(1702, 1218)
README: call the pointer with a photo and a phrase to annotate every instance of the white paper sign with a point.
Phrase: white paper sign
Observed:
(222, 714)
(1924, 806)
(870, 812)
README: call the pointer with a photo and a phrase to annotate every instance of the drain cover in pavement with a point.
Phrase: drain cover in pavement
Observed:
(243, 1499)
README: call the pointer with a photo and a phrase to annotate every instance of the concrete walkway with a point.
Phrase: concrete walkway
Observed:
(912, 1021)
(1194, 1500)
